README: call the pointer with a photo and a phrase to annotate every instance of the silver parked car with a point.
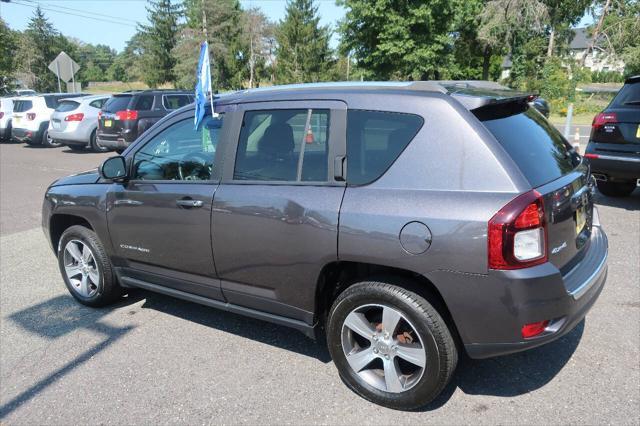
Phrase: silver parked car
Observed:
(75, 120)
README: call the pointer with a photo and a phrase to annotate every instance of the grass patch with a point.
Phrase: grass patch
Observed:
(580, 118)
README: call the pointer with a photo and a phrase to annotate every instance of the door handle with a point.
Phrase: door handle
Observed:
(188, 203)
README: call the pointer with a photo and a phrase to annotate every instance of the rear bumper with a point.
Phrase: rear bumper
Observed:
(615, 167)
(119, 143)
(490, 311)
(25, 135)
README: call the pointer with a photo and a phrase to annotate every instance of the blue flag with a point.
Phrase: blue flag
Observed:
(203, 84)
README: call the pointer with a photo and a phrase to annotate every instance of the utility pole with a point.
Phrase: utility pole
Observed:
(204, 22)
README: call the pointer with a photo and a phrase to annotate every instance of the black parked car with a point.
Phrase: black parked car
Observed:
(614, 144)
(126, 116)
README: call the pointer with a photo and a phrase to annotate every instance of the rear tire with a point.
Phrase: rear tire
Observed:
(95, 146)
(375, 357)
(47, 142)
(616, 189)
(86, 268)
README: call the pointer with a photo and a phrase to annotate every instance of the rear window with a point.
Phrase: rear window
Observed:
(175, 101)
(66, 106)
(117, 103)
(539, 150)
(22, 106)
(374, 140)
(627, 96)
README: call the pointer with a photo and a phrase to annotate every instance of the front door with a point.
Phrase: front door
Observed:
(275, 214)
(160, 221)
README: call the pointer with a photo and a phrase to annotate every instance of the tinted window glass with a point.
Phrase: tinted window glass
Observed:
(180, 152)
(51, 101)
(66, 106)
(629, 95)
(175, 101)
(144, 103)
(374, 140)
(97, 103)
(22, 106)
(283, 145)
(533, 143)
(117, 103)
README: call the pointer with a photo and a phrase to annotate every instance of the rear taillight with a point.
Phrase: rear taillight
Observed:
(604, 118)
(533, 329)
(591, 156)
(31, 116)
(517, 234)
(74, 117)
(99, 115)
(127, 115)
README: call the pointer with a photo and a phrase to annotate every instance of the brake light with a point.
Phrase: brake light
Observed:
(517, 234)
(31, 116)
(533, 329)
(74, 117)
(604, 118)
(99, 115)
(128, 114)
(591, 156)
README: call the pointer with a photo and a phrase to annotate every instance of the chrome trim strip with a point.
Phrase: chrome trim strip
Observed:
(616, 158)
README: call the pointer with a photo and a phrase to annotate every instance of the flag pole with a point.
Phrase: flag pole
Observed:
(206, 39)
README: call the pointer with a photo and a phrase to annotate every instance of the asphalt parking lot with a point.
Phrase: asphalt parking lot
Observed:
(152, 359)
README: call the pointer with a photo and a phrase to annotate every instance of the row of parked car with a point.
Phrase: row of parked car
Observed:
(82, 121)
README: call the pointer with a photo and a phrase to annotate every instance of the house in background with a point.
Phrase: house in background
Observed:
(597, 60)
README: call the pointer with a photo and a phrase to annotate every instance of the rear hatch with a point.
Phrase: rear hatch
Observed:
(616, 130)
(109, 127)
(553, 169)
(20, 108)
(65, 108)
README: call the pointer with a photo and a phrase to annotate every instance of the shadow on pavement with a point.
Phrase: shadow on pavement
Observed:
(260, 331)
(55, 318)
(631, 202)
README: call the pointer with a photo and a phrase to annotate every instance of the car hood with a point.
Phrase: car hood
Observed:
(90, 176)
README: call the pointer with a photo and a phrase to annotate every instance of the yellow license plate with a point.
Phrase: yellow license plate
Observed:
(581, 219)
(17, 120)
(108, 123)
(638, 132)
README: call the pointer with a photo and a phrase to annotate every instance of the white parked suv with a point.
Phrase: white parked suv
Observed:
(6, 111)
(75, 120)
(31, 114)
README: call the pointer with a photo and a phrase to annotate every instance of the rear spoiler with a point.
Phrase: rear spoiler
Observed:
(477, 94)
(634, 79)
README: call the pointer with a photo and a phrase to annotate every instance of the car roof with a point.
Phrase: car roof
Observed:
(87, 98)
(470, 93)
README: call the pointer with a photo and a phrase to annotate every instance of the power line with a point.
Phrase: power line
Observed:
(81, 11)
(74, 14)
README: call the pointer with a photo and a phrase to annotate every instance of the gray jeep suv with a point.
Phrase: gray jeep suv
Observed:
(403, 222)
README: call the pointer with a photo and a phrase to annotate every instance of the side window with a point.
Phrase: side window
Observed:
(180, 152)
(144, 103)
(374, 140)
(287, 145)
(175, 101)
(97, 103)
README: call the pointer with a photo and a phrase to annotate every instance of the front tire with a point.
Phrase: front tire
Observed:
(86, 268)
(390, 345)
(616, 189)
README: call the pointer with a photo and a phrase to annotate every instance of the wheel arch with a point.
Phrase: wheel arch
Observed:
(60, 222)
(336, 277)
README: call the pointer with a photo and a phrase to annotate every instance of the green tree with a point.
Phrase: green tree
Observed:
(409, 39)
(227, 49)
(302, 52)
(563, 14)
(8, 64)
(621, 34)
(159, 38)
(46, 43)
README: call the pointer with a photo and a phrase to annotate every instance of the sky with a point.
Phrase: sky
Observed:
(113, 22)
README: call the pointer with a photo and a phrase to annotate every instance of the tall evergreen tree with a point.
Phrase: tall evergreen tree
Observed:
(303, 53)
(159, 38)
(45, 41)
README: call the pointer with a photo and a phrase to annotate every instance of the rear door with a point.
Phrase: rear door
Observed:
(20, 107)
(275, 214)
(63, 109)
(108, 127)
(552, 167)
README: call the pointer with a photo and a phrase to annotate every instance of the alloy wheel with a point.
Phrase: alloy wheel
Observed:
(383, 348)
(81, 268)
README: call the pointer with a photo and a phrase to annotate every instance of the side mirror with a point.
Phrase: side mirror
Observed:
(114, 168)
